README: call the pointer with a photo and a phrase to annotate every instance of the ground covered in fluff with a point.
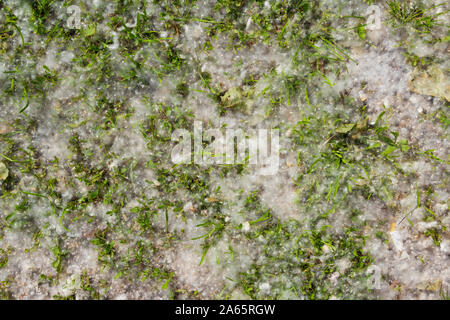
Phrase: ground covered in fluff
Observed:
(91, 205)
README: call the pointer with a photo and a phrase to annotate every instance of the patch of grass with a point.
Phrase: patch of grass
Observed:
(301, 255)
(106, 248)
(42, 11)
(434, 234)
(415, 15)
(59, 254)
(4, 257)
